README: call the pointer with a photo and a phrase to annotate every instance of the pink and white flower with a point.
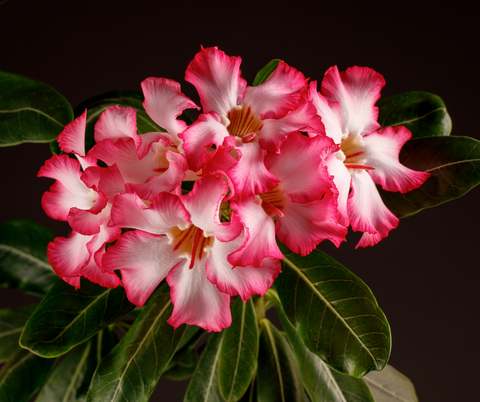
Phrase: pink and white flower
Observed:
(367, 154)
(303, 204)
(182, 239)
(148, 164)
(247, 121)
(74, 197)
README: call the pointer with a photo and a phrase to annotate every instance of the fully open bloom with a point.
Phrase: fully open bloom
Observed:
(75, 197)
(182, 239)
(248, 121)
(301, 210)
(367, 155)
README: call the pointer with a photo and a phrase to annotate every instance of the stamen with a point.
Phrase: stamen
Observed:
(353, 166)
(190, 243)
(243, 123)
(273, 202)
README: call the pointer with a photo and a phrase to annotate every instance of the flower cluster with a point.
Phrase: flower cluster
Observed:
(275, 160)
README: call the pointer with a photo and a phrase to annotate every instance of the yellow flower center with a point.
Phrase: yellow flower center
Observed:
(243, 123)
(190, 243)
(273, 202)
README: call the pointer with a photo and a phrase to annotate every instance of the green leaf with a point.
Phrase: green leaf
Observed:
(423, 113)
(454, 166)
(278, 375)
(266, 72)
(70, 380)
(102, 344)
(12, 321)
(30, 111)
(390, 385)
(239, 351)
(251, 394)
(334, 312)
(67, 317)
(322, 383)
(183, 363)
(203, 386)
(131, 371)
(96, 105)
(23, 375)
(68, 377)
(23, 257)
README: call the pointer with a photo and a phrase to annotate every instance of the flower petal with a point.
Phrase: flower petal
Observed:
(342, 179)
(300, 168)
(166, 212)
(357, 89)
(303, 118)
(304, 226)
(72, 138)
(166, 181)
(249, 175)
(243, 281)
(164, 102)
(259, 242)
(278, 95)
(68, 191)
(203, 204)
(381, 151)
(217, 79)
(196, 300)
(116, 123)
(205, 132)
(124, 154)
(87, 222)
(329, 112)
(367, 212)
(68, 255)
(143, 259)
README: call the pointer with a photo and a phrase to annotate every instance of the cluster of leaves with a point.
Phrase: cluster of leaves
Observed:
(335, 337)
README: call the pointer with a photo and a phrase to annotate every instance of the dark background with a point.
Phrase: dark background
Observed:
(425, 274)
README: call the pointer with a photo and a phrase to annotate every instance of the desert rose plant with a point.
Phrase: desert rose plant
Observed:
(181, 227)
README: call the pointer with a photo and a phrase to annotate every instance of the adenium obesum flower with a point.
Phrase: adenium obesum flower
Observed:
(85, 208)
(246, 121)
(303, 203)
(182, 239)
(257, 177)
(367, 155)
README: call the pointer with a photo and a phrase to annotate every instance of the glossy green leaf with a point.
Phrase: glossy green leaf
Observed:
(334, 312)
(423, 113)
(12, 321)
(203, 386)
(390, 385)
(266, 72)
(278, 375)
(96, 105)
(131, 371)
(70, 380)
(102, 344)
(30, 111)
(322, 383)
(251, 394)
(23, 375)
(67, 378)
(23, 257)
(454, 166)
(183, 363)
(67, 317)
(239, 351)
